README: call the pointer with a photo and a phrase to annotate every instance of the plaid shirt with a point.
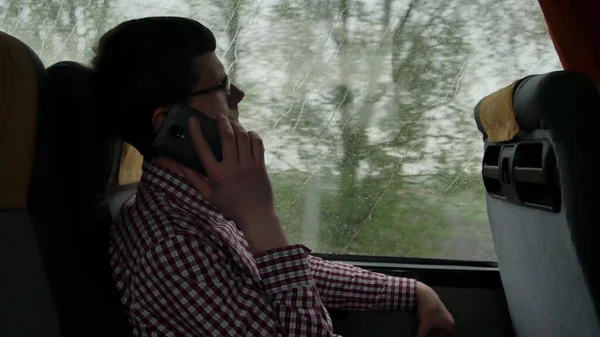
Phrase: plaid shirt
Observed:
(182, 269)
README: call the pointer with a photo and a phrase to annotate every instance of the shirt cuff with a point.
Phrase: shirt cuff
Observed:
(284, 268)
(402, 293)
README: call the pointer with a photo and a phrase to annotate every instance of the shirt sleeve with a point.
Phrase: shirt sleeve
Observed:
(286, 276)
(190, 287)
(346, 287)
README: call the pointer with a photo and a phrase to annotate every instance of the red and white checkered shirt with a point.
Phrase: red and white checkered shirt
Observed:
(182, 269)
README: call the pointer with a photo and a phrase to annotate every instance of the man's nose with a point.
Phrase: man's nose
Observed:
(236, 96)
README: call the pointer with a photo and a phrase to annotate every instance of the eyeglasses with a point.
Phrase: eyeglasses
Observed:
(224, 85)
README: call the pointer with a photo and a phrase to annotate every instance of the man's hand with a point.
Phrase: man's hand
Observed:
(238, 186)
(434, 319)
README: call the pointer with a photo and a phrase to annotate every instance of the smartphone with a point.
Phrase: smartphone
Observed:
(173, 139)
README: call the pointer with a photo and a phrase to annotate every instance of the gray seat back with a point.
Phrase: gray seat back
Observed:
(543, 195)
(26, 307)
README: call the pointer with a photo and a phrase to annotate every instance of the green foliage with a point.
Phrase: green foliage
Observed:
(364, 211)
(392, 218)
(342, 95)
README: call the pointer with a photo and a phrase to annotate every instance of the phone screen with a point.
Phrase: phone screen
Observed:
(173, 139)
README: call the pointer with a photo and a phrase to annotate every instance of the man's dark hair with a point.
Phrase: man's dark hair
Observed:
(143, 64)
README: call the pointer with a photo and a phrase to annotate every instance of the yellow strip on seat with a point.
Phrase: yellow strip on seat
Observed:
(497, 115)
(130, 165)
(18, 114)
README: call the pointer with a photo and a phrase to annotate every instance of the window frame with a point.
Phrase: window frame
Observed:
(434, 272)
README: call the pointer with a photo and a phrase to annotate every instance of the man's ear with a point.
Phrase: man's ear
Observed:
(158, 117)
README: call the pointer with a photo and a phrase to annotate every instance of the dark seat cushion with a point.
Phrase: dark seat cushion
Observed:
(68, 203)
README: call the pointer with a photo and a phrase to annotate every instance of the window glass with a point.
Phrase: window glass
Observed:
(365, 106)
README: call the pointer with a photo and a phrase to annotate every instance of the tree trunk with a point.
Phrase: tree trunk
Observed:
(311, 212)
(232, 32)
(350, 161)
(70, 35)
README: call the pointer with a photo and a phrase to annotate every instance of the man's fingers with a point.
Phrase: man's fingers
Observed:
(427, 330)
(198, 181)
(438, 333)
(423, 330)
(228, 142)
(258, 148)
(243, 143)
(451, 328)
(200, 144)
(448, 326)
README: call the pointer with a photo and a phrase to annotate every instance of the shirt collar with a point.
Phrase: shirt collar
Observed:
(176, 188)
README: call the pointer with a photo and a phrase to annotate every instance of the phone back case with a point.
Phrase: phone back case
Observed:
(173, 139)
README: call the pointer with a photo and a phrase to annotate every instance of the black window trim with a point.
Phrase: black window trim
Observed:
(409, 261)
(434, 272)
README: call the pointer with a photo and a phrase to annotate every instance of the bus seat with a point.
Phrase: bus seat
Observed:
(118, 194)
(76, 162)
(26, 307)
(542, 201)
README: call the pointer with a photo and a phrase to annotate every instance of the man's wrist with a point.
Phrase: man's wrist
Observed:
(262, 241)
(260, 218)
(263, 231)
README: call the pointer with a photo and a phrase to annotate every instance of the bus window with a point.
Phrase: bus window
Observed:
(365, 107)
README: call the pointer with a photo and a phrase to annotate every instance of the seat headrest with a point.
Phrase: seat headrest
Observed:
(21, 78)
(521, 106)
(38, 66)
(85, 148)
(68, 204)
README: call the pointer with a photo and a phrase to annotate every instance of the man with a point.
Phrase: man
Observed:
(200, 255)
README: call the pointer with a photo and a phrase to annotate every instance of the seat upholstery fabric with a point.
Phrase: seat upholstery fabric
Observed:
(18, 113)
(69, 207)
(548, 260)
(26, 307)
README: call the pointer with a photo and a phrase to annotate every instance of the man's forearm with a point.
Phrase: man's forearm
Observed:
(343, 286)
